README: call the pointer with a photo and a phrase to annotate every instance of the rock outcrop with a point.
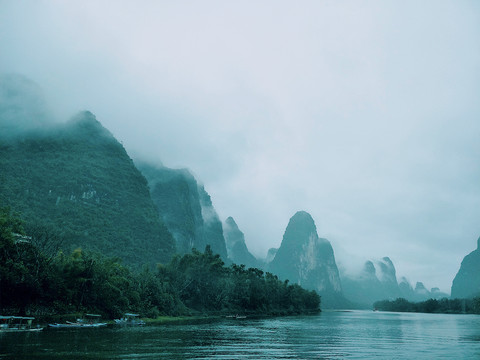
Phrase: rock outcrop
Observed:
(305, 259)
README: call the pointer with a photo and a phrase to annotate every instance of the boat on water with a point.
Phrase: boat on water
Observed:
(89, 321)
(18, 323)
(70, 325)
(130, 319)
(236, 316)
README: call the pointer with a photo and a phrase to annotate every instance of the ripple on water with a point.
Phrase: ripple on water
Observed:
(330, 335)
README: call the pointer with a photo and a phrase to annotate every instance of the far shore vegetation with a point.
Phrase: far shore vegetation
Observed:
(441, 306)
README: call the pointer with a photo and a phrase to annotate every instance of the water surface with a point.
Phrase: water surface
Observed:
(329, 335)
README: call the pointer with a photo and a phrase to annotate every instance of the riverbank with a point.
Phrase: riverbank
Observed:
(194, 318)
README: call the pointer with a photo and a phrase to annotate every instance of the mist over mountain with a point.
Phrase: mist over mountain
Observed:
(378, 281)
(185, 207)
(305, 259)
(466, 283)
(77, 180)
(271, 255)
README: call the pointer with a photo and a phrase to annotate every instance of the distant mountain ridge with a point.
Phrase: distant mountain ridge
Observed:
(378, 281)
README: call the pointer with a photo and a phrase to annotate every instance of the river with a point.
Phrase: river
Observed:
(329, 335)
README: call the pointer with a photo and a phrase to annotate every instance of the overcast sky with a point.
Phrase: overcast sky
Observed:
(363, 113)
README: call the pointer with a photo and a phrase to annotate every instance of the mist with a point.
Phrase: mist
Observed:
(23, 106)
(364, 114)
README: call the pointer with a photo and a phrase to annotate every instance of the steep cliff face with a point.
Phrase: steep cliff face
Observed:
(236, 248)
(466, 283)
(213, 228)
(78, 179)
(186, 208)
(307, 260)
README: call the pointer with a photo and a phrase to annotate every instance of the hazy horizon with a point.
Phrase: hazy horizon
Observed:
(362, 113)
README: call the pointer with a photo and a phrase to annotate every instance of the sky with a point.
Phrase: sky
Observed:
(363, 113)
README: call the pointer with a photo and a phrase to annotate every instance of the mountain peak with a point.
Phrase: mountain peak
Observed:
(236, 247)
(86, 119)
(419, 286)
(231, 223)
(369, 268)
(307, 260)
(300, 228)
(86, 126)
(302, 216)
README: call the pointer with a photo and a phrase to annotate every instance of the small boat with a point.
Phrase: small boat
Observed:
(236, 316)
(18, 323)
(130, 319)
(90, 321)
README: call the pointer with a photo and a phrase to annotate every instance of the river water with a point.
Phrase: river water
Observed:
(329, 335)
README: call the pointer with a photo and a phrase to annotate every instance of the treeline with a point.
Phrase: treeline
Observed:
(39, 279)
(445, 306)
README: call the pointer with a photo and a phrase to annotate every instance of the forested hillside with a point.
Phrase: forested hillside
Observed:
(77, 181)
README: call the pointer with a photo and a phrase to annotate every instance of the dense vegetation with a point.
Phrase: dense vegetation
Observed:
(79, 179)
(39, 279)
(446, 306)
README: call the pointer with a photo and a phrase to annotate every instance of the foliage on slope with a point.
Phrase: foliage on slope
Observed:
(455, 306)
(77, 178)
(37, 283)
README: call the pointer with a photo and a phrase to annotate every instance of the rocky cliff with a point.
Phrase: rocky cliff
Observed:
(305, 259)
(466, 283)
(236, 247)
(186, 208)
